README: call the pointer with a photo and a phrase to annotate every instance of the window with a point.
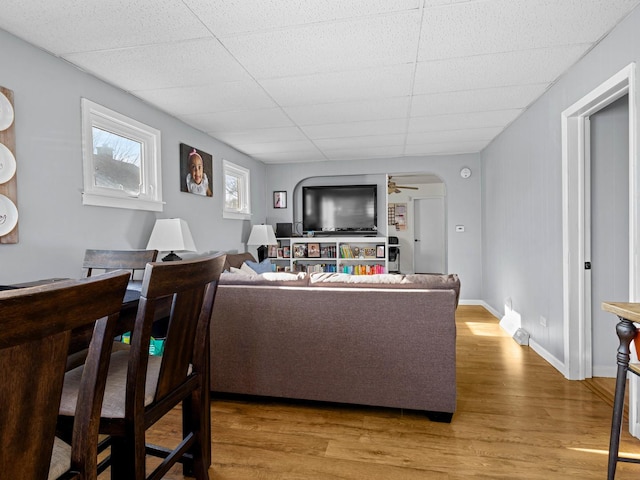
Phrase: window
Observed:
(236, 191)
(121, 160)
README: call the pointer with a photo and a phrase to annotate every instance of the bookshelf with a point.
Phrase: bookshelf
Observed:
(353, 255)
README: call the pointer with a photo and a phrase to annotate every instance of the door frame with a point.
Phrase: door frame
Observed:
(575, 216)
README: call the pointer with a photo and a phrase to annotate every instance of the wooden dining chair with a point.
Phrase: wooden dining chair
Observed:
(100, 261)
(141, 389)
(133, 260)
(35, 330)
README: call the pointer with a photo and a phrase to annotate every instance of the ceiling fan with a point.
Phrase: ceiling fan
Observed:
(392, 187)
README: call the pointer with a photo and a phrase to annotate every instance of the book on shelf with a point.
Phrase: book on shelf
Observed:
(363, 269)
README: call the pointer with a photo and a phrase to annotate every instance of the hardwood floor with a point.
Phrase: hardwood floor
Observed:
(516, 418)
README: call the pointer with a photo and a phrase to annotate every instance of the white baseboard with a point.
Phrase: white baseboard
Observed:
(481, 303)
(555, 362)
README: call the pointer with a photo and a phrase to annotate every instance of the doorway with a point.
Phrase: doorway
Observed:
(576, 216)
(608, 243)
(408, 189)
(429, 253)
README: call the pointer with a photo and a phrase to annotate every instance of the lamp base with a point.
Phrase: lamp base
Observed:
(262, 253)
(171, 257)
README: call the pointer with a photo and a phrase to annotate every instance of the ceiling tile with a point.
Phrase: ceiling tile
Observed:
(356, 129)
(277, 147)
(215, 97)
(291, 157)
(495, 70)
(194, 62)
(226, 17)
(460, 121)
(261, 135)
(348, 45)
(67, 26)
(352, 86)
(365, 153)
(445, 148)
(395, 107)
(478, 28)
(238, 120)
(466, 135)
(328, 144)
(515, 96)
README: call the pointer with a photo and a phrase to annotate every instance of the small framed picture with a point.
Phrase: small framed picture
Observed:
(279, 199)
(273, 251)
(380, 253)
(313, 250)
(300, 251)
(286, 252)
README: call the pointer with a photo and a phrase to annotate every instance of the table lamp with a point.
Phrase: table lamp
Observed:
(262, 235)
(169, 235)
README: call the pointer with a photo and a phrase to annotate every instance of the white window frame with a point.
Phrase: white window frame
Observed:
(244, 176)
(150, 196)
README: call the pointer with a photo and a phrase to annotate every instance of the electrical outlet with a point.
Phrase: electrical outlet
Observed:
(543, 321)
(507, 303)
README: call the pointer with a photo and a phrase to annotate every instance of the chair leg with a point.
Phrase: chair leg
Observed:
(128, 455)
(616, 421)
(192, 421)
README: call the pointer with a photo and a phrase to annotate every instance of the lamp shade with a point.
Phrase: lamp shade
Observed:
(262, 235)
(171, 234)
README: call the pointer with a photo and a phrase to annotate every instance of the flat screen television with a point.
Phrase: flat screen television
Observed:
(340, 209)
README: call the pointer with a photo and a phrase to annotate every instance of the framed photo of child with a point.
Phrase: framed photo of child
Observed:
(196, 171)
(280, 199)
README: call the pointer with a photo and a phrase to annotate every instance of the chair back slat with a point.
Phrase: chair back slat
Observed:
(35, 328)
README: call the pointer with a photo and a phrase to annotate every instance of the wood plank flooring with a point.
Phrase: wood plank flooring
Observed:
(516, 418)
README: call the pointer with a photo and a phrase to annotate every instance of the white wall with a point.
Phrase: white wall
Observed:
(522, 194)
(463, 201)
(54, 227)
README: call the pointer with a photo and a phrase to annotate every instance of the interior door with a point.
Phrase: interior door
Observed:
(429, 254)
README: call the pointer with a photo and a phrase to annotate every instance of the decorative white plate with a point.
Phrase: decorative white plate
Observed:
(8, 215)
(6, 112)
(7, 164)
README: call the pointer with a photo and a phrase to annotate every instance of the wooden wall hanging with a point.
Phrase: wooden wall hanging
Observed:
(8, 167)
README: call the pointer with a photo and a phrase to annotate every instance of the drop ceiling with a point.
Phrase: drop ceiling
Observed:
(302, 81)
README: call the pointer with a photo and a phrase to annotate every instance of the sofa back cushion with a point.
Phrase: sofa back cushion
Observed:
(421, 280)
(270, 279)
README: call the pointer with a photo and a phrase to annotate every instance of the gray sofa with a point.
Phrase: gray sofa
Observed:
(383, 340)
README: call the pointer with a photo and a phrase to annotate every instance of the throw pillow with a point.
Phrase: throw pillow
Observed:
(262, 267)
(247, 270)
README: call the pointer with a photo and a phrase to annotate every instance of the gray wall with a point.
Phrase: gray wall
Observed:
(54, 226)
(463, 201)
(522, 194)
